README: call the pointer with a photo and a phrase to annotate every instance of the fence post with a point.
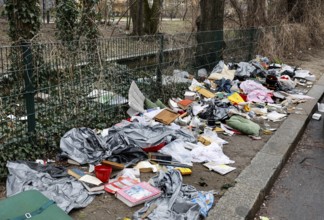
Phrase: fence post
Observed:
(29, 87)
(251, 48)
(160, 62)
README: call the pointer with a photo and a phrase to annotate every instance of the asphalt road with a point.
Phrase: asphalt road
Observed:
(298, 193)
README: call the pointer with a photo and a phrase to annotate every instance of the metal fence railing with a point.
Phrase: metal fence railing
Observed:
(48, 88)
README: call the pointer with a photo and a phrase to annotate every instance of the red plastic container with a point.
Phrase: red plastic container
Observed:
(103, 172)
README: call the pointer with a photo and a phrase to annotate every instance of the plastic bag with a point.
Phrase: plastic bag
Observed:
(177, 150)
(210, 153)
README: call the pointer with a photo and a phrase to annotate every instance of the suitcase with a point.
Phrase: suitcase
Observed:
(30, 204)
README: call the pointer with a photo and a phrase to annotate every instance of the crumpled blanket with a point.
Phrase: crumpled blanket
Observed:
(259, 96)
(250, 85)
(178, 201)
(53, 182)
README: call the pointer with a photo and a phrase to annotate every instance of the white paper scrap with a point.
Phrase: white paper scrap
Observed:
(219, 168)
(320, 107)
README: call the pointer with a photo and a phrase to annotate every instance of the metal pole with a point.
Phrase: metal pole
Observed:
(160, 60)
(29, 93)
(251, 48)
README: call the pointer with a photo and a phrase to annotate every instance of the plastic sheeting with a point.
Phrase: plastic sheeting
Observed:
(145, 136)
(177, 200)
(178, 151)
(83, 146)
(53, 182)
(244, 69)
(220, 71)
(124, 143)
(210, 153)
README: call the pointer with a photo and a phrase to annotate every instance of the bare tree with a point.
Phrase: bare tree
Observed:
(145, 16)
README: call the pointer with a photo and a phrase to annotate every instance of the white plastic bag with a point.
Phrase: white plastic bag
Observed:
(210, 153)
(178, 151)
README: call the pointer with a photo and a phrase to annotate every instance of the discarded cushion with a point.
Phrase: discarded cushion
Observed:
(243, 125)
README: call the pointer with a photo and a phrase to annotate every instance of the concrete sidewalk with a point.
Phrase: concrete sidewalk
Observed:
(256, 180)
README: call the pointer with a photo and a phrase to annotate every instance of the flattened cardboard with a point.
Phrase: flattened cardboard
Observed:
(205, 93)
(166, 117)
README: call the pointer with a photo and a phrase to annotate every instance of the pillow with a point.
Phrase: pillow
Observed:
(243, 125)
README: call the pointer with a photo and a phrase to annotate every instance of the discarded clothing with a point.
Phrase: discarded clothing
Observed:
(249, 86)
(53, 182)
(260, 96)
(177, 200)
(223, 85)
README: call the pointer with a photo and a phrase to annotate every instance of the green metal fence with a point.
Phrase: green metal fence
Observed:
(46, 87)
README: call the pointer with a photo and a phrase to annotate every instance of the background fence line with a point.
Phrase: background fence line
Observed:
(45, 88)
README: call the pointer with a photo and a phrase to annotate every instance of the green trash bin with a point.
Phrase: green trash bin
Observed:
(30, 204)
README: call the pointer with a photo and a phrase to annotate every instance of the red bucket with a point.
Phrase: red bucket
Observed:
(103, 172)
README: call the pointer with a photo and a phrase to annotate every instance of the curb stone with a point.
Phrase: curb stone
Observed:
(255, 181)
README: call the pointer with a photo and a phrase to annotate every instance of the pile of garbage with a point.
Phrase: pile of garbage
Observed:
(167, 138)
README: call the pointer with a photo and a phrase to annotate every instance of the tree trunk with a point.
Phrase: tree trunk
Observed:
(152, 15)
(136, 12)
(210, 26)
(128, 15)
